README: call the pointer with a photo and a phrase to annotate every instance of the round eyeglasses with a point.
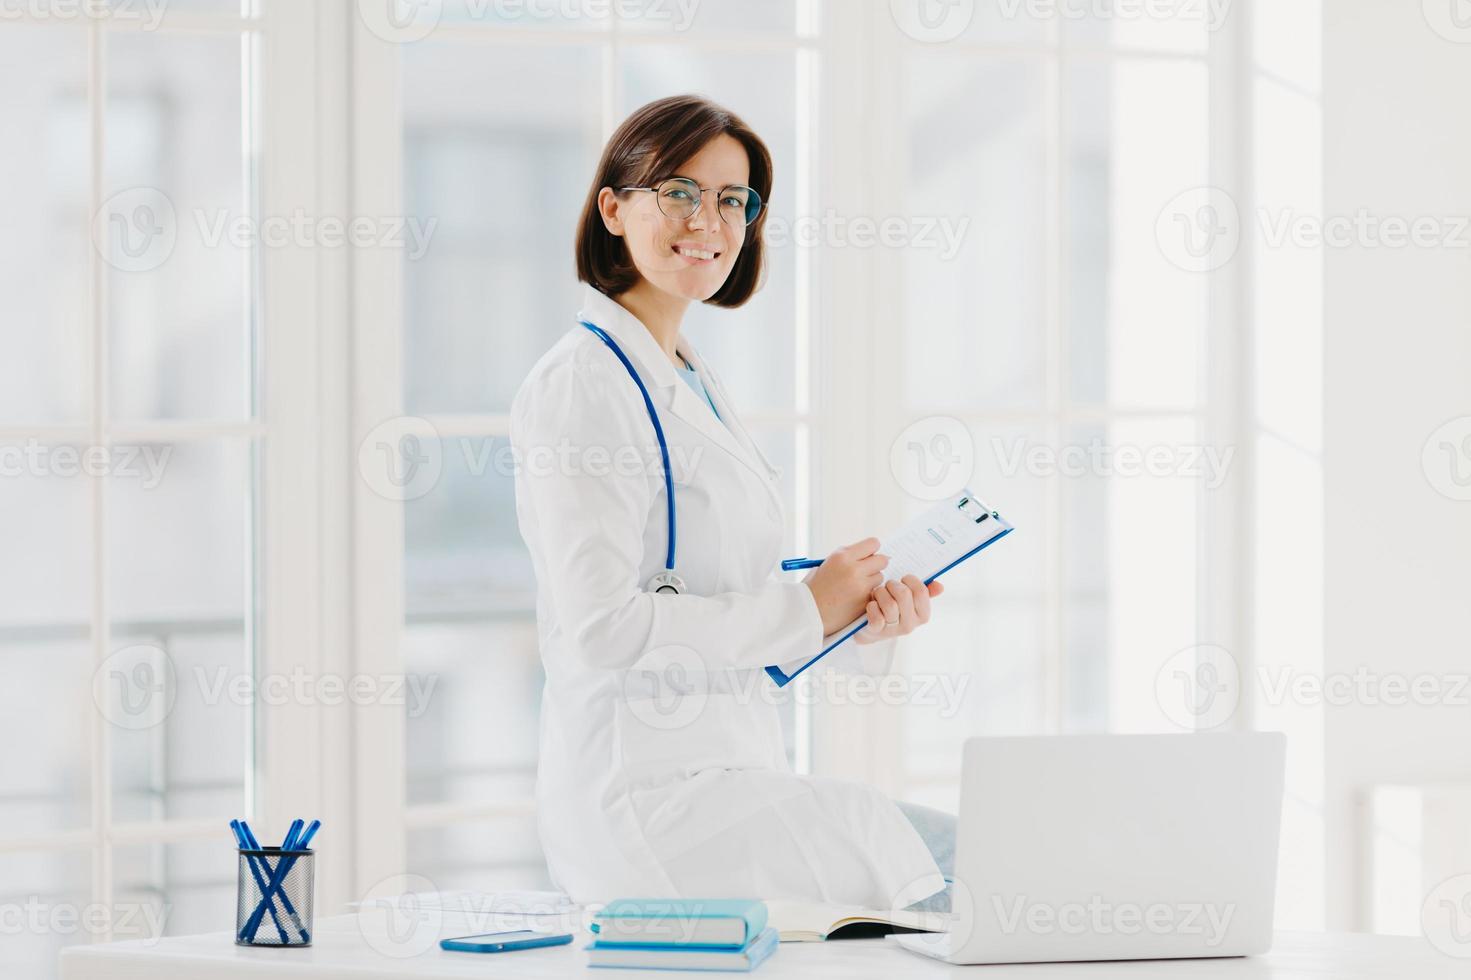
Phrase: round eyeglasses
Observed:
(679, 198)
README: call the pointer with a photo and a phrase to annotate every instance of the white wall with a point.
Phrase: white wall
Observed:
(1397, 349)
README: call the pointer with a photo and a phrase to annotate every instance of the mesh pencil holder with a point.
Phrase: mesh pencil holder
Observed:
(286, 919)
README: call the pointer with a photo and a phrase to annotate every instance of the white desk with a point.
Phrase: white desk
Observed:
(342, 952)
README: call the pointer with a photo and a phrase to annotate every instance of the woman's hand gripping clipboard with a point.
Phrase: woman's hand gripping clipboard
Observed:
(928, 547)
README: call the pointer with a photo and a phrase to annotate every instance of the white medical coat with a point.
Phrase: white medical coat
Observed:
(662, 770)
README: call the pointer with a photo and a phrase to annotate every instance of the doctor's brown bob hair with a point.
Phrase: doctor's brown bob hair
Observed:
(647, 148)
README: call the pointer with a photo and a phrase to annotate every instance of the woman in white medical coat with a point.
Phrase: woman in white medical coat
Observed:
(662, 770)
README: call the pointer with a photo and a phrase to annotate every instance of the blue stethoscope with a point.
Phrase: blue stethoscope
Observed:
(666, 581)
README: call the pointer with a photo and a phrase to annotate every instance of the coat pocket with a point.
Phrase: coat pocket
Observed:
(673, 720)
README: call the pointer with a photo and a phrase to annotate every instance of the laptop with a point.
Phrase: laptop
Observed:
(1113, 847)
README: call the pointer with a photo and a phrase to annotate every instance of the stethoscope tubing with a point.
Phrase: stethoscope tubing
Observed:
(658, 434)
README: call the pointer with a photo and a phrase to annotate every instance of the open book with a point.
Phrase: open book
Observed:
(809, 922)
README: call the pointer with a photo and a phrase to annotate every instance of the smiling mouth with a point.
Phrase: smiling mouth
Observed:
(696, 253)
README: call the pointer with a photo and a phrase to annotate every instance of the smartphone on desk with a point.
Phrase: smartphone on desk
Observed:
(504, 942)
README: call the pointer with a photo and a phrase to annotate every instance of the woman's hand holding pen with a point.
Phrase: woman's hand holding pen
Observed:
(846, 580)
(851, 582)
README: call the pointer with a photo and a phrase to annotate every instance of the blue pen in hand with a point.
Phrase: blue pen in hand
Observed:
(797, 564)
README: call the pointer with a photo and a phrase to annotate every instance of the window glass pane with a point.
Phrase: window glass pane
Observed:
(178, 889)
(44, 272)
(1141, 223)
(505, 851)
(45, 515)
(1005, 472)
(1168, 25)
(473, 703)
(674, 17)
(972, 670)
(179, 534)
(139, 10)
(1129, 490)
(191, 761)
(179, 580)
(521, 15)
(176, 227)
(497, 181)
(719, 18)
(146, 15)
(53, 883)
(754, 347)
(462, 548)
(975, 197)
(470, 644)
(45, 648)
(984, 21)
(46, 708)
(977, 667)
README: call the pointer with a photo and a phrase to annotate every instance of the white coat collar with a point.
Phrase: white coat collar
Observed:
(657, 371)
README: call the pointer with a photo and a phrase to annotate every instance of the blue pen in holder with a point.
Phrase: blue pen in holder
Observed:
(274, 897)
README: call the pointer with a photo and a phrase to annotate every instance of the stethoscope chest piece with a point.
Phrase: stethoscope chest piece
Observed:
(667, 583)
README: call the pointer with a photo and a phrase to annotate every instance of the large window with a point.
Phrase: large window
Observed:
(500, 179)
(1052, 345)
(130, 433)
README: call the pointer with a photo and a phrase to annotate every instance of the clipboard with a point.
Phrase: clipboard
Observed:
(928, 546)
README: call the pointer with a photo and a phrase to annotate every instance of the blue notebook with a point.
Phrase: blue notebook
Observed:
(716, 923)
(928, 547)
(684, 957)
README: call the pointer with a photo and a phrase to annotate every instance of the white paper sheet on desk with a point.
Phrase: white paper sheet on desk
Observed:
(927, 546)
